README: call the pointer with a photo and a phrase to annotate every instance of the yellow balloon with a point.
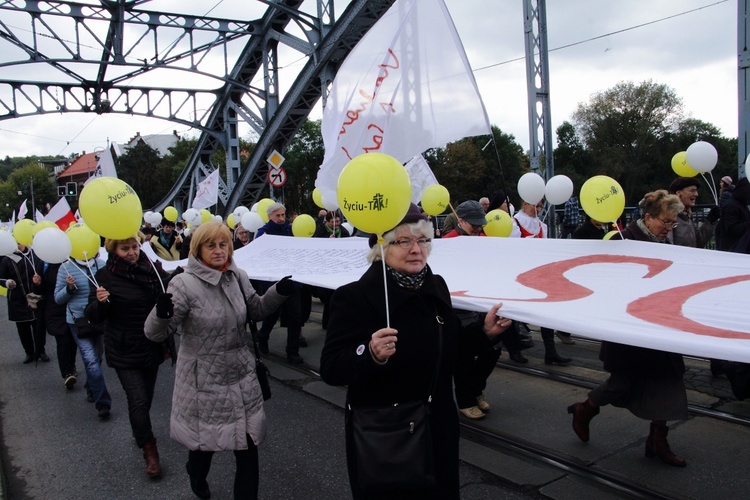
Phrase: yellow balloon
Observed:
(318, 198)
(303, 226)
(499, 223)
(374, 192)
(42, 225)
(681, 167)
(84, 241)
(262, 208)
(111, 208)
(170, 213)
(435, 199)
(609, 235)
(205, 215)
(23, 231)
(602, 198)
(230, 221)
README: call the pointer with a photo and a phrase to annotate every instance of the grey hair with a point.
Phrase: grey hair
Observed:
(273, 207)
(420, 229)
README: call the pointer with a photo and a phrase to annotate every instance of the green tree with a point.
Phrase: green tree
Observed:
(142, 168)
(303, 158)
(627, 130)
(571, 157)
(21, 180)
(462, 171)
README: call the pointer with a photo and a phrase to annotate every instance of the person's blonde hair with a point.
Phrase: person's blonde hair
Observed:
(660, 202)
(209, 231)
(420, 229)
(110, 245)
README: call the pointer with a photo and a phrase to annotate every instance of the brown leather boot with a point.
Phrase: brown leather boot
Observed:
(582, 415)
(151, 454)
(657, 445)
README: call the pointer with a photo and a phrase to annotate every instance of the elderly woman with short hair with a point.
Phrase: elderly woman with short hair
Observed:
(388, 364)
(217, 402)
(649, 383)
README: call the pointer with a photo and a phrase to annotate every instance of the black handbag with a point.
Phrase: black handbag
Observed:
(393, 444)
(261, 370)
(85, 328)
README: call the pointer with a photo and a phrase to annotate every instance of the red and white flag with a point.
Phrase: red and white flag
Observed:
(61, 214)
(406, 87)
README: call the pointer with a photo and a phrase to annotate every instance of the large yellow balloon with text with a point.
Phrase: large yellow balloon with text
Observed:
(374, 192)
(111, 208)
(602, 198)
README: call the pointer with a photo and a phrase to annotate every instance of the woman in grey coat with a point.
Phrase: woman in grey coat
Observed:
(217, 403)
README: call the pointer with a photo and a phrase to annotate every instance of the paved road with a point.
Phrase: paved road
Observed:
(54, 446)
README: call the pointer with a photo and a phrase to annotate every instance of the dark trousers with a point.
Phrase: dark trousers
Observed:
(291, 312)
(66, 353)
(245, 475)
(470, 376)
(32, 335)
(139, 384)
(568, 231)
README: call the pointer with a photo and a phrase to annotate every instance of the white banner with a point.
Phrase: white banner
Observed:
(666, 297)
(406, 87)
(207, 193)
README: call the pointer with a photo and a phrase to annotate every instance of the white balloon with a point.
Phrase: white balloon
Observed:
(558, 189)
(702, 156)
(192, 217)
(147, 216)
(254, 208)
(52, 245)
(239, 212)
(251, 221)
(348, 227)
(531, 188)
(330, 203)
(155, 219)
(186, 232)
(8, 243)
(218, 218)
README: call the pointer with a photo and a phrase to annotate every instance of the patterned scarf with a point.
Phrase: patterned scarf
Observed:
(642, 226)
(408, 281)
(140, 271)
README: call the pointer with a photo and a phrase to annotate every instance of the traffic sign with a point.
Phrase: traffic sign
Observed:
(277, 177)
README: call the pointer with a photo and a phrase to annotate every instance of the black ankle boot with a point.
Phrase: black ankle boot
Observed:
(198, 485)
(550, 352)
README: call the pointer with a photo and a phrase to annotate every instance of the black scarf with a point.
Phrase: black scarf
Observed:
(140, 271)
(408, 281)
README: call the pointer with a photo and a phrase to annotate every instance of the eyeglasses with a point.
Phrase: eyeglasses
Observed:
(668, 223)
(692, 190)
(406, 244)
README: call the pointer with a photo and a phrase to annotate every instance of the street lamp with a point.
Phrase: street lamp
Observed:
(29, 184)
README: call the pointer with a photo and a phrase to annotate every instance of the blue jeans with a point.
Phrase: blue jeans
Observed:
(91, 350)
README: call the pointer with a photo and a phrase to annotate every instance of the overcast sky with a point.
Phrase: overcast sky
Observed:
(695, 53)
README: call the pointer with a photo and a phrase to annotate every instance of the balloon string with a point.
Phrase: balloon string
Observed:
(91, 273)
(711, 186)
(618, 230)
(385, 285)
(157, 275)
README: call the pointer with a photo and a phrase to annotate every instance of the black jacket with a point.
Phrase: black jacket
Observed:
(18, 310)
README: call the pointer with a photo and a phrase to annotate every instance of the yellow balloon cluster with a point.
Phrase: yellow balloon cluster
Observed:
(111, 208)
(435, 199)
(602, 198)
(374, 192)
(303, 226)
(499, 223)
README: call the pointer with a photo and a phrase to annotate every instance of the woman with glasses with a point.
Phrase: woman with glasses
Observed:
(649, 383)
(389, 362)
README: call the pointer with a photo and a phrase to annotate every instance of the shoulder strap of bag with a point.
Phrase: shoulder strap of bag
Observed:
(440, 321)
(18, 273)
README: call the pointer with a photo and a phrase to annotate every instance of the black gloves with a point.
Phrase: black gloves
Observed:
(285, 286)
(713, 214)
(164, 306)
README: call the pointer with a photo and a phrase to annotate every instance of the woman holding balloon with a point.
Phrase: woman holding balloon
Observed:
(75, 282)
(649, 383)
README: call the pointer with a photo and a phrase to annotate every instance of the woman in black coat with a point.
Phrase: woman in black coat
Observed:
(128, 287)
(648, 382)
(21, 273)
(387, 365)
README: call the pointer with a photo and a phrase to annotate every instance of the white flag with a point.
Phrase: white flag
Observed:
(22, 210)
(420, 175)
(406, 87)
(105, 166)
(38, 216)
(207, 193)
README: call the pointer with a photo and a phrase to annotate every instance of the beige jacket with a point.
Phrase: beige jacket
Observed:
(217, 400)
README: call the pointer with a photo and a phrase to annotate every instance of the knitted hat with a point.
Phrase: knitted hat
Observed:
(727, 180)
(414, 214)
(681, 183)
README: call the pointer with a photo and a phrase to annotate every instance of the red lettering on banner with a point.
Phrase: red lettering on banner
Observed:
(665, 308)
(377, 139)
(550, 280)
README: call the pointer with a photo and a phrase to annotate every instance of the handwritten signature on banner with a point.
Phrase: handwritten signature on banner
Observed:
(353, 115)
